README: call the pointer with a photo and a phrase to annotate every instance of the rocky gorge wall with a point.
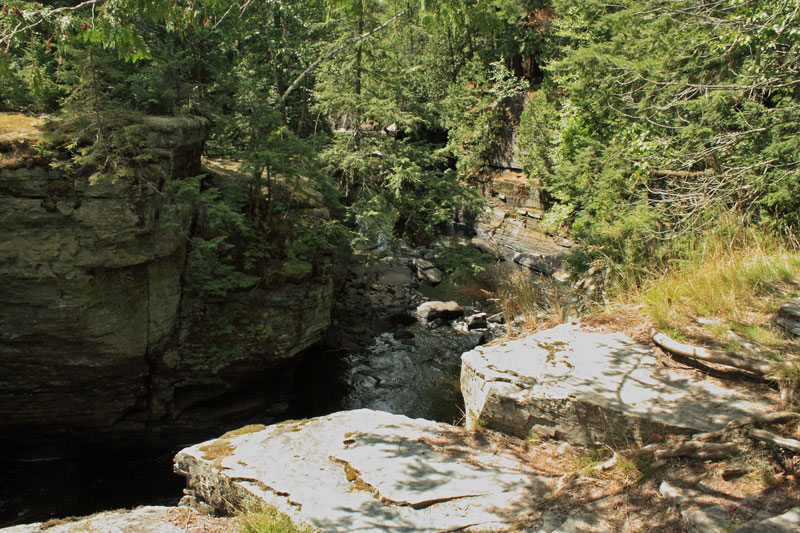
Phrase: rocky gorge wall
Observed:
(511, 226)
(94, 333)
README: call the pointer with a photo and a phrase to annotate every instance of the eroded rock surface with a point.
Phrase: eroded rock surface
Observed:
(588, 386)
(511, 226)
(365, 470)
(89, 284)
(151, 519)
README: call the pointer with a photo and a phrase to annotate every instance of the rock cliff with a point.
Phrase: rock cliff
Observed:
(94, 332)
(511, 227)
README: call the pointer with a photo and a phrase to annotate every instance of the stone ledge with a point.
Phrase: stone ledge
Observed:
(587, 387)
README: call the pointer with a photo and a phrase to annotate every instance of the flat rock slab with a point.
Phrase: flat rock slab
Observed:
(784, 523)
(141, 520)
(365, 470)
(589, 386)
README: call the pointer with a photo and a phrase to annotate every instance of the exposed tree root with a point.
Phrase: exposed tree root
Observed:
(668, 344)
(699, 447)
(783, 442)
(789, 390)
(777, 417)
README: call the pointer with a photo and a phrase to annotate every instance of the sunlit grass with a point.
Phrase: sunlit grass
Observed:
(267, 519)
(737, 284)
(17, 125)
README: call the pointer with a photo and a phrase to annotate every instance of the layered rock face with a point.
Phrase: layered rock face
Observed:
(91, 328)
(510, 228)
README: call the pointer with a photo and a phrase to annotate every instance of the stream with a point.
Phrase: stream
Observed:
(413, 370)
(421, 381)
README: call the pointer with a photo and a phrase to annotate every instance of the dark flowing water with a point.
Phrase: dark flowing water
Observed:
(419, 381)
(418, 378)
(86, 482)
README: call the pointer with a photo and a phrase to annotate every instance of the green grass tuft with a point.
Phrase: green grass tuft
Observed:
(267, 519)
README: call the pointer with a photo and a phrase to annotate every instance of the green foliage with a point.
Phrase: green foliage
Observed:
(555, 219)
(458, 257)
(658, 118)
(475, 114)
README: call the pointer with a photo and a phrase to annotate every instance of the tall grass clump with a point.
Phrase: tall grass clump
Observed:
(528, 300)
(728, 274)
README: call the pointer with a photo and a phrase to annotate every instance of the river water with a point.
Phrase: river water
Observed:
(417, 375)
(419, 381)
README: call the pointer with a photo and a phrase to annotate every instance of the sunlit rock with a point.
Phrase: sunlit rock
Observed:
(365, 471)
(588, 387)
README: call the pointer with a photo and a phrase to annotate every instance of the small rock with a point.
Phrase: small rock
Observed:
(477, 321)
(671, 493)
(422, 264)
(537, 264)
(482, 245)
(788, 316)
(432, 276)
(427, 272)
(551, 520)
(402, 334)
(436, 323)
(708, 520)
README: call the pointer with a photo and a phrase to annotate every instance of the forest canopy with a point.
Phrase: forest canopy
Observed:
(648, 122)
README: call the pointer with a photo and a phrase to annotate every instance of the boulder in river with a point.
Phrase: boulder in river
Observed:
(589, 386)
(427, 272)
(365, 470)
(430, 311)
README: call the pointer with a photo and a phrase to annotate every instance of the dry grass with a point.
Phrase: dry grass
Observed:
(726, 293)
(529, 301)
(267, 519)
(217, 449)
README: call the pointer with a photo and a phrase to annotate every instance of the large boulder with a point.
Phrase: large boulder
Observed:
(365, 470)
(431, 311)
(589, 386)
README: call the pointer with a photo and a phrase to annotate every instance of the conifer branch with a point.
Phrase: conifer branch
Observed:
(45, 13)
(332, 53)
